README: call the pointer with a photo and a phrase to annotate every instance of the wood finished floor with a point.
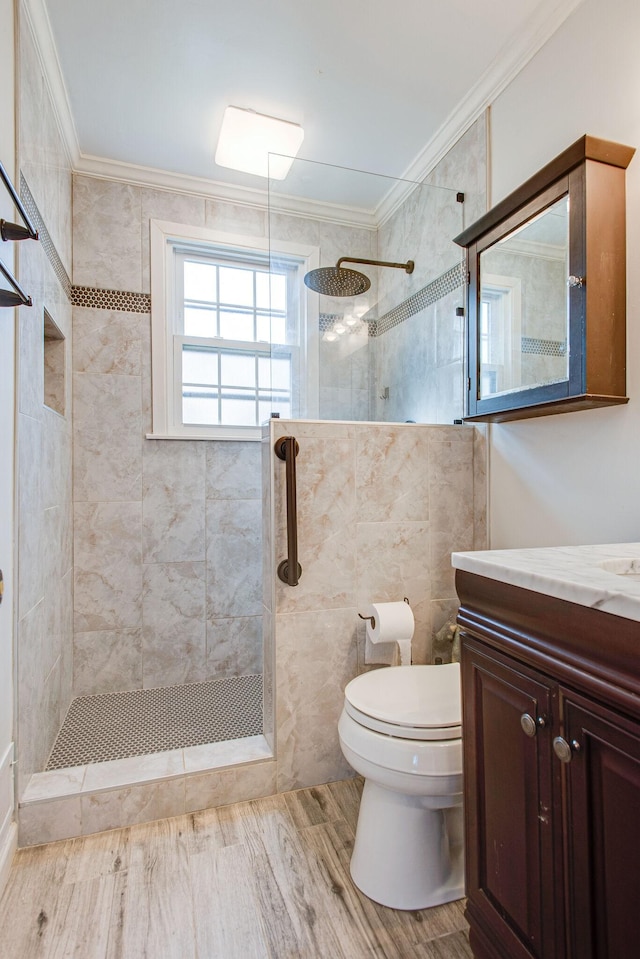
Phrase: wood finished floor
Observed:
(267, 879)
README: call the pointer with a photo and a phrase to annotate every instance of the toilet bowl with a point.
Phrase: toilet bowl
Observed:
(401, 730)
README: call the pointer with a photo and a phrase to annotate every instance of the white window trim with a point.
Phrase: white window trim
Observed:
(166, 416)
(509, 287)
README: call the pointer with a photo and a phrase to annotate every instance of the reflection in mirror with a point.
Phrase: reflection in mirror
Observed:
(523, 311)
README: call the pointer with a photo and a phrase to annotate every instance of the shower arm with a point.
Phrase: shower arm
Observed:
(407, 267)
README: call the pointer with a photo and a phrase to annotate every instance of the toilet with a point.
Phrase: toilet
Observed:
(401, 730)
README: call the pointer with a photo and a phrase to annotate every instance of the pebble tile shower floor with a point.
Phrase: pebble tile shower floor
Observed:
(141, 721)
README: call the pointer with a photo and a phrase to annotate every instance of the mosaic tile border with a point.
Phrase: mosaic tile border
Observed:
(327, 320)
(138, 722)
(444, 284)
(117, 300)
(123, 301)
(120, 301)
(129, 302)
(531, 344)
(48, 245)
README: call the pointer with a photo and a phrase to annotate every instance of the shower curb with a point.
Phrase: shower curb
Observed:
(80, 800)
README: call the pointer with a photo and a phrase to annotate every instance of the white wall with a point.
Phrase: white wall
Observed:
(573, 478)
(7, 409)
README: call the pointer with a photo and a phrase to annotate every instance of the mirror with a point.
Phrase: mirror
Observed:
(546, 324)
(524, 310)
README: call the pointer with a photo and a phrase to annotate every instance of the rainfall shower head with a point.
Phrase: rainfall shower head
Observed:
(337, 281)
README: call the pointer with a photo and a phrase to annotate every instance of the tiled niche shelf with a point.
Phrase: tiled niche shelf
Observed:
(54, 366)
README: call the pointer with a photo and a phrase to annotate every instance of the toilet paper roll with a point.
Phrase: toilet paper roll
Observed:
(384, 654)
(392, 622)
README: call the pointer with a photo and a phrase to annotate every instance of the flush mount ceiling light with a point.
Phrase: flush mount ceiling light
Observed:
(248, 138)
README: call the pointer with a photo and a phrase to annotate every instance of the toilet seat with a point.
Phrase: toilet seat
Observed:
(408, 702)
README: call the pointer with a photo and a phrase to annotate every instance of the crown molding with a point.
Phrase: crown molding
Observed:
(156, 179)
(37, 19)
(512, 58)
(538, 249)
(514, 55)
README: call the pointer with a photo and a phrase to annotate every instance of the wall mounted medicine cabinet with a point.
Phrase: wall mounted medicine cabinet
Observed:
(547, 290)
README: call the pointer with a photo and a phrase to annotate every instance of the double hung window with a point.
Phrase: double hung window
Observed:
(228, 320)
(499, 335)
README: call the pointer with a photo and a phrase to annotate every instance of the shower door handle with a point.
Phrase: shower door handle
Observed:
(290, 570)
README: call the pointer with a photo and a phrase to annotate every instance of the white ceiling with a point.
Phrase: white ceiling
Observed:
(375, 83)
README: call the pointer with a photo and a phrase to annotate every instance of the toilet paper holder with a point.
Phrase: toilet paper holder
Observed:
(372, 619)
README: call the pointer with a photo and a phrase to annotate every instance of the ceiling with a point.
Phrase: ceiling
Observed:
(374, 83)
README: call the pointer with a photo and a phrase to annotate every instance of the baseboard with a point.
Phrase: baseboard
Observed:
(8, 847)
(8, 826)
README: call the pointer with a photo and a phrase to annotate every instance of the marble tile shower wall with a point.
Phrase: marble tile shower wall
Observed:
(344, 374)
(381, 508)
(44, 437)
(421, 360)
(464, 168)
(344, 377)
(167, 534)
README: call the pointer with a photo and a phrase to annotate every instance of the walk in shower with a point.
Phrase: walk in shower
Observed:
(175, 640)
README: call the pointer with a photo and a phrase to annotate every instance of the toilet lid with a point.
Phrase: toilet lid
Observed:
(421, 702)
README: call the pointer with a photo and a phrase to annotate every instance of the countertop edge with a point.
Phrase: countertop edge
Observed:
(575, 575)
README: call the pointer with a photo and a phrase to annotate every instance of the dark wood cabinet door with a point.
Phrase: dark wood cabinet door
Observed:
(514, 852)
(603, 833)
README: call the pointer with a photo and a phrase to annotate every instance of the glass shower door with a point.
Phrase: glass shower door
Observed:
(394, 352)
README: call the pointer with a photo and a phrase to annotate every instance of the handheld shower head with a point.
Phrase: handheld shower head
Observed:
(338, 281)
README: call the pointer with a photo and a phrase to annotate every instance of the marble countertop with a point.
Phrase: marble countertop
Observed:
(603, 577)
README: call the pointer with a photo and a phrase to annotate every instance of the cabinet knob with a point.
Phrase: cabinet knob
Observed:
(563, 750)
(530, 725)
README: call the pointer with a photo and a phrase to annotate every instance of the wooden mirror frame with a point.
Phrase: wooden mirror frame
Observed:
(592, 173)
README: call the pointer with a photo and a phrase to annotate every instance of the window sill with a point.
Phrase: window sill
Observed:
(252, 436)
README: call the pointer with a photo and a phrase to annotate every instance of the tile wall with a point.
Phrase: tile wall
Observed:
(411, 369)
(167, 534)
(421, 360)
(380, 510)
(156, 600)
(343, 367)
(44, 436)
(157, 516)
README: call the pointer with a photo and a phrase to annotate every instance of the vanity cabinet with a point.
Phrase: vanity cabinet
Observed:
(551, 720)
